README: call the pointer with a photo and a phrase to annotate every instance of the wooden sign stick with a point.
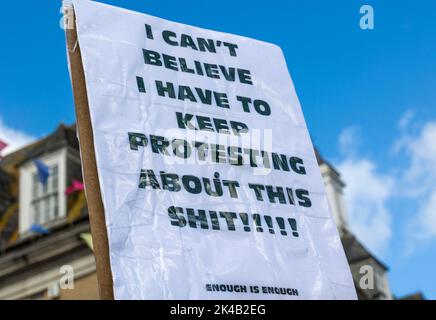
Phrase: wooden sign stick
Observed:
(87, 153)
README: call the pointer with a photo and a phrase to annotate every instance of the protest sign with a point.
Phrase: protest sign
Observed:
(203, 164)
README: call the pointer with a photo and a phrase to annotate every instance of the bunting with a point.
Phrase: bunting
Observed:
(75, 186)
(43, 171)
(37, 228)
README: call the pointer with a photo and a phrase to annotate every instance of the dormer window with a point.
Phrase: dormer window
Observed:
(45, 197)
(43, 203)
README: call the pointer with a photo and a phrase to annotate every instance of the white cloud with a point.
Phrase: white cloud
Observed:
(422, 150)
(419, 176)
(427, 217)
(368, 191)
(13, 137)
(366, 194)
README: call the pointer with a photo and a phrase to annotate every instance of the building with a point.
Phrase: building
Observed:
(32, 266)
(359, 258)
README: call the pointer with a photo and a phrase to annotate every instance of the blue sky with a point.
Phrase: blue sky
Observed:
(369, 100)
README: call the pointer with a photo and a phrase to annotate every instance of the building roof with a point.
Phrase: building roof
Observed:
(356, 251)
(321, 161)
(414, 296)
(63, 135)
(8, 206)
(318, 156)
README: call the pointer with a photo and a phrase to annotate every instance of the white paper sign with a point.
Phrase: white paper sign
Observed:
(210, 185)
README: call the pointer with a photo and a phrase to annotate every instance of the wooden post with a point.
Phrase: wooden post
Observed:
(89, 166)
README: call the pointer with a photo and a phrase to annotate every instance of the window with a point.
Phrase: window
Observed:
(45, 197)
(39, 203)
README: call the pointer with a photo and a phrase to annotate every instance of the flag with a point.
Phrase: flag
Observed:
(75, 186)
(77, 207)
(43, 171)
(87, 238)
(3, 145)
(37, 228)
